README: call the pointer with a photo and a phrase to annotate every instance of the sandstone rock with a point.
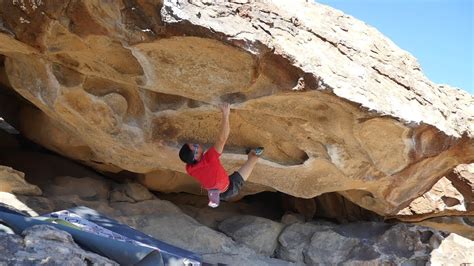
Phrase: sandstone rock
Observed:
(291, 218)
(130, 192)
(461, 225)
(121, 86)
(462, 178)
(43, 167)
(168, 181)
(44, 244)
(454, 249)
(14, 181)
(88, 189)
(119, 196)
(452, 195)
(443, 196)
(256, 233)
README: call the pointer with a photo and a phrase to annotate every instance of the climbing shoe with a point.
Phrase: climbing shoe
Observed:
(258, 150)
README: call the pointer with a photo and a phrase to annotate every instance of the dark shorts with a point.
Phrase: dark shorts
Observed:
(235, 184)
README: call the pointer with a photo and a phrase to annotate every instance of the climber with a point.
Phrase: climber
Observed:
(206, 167)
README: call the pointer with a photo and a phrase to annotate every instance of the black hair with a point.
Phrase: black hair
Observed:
(186, 154)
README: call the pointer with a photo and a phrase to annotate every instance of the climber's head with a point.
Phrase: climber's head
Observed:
(190, 153)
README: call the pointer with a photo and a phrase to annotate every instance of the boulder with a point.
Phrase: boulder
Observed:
(13, 181)
(399, 242)
(291, 218)
(43, 244)
(294, 241)
(196, 206)
(305, 207)
(443, 196)
(365, 243)
(338, 106)
(448, 205)
(237, 259)
(87, 188)
(119, 196)
(166, 222)
(453, 193)
(461, 225)
(462, 179)
(454, 249)
(257, 233)
(43, 166)
(130, 192)
(328, 247)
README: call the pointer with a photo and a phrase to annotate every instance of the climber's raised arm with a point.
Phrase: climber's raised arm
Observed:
(224, 129)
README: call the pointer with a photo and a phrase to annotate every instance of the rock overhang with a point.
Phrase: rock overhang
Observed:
(333, 114)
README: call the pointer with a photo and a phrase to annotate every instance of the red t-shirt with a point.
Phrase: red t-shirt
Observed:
(209, 171)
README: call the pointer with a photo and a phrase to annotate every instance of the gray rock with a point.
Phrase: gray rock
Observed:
(9, 245)
(294, 240)
(399, 241)
(39, 204)
(366, 243)
(257, 233)
(291, 218)
(182, 231)
(130, 192)
(165, 221)
(119, 196)
(138, 192)
(329, 247)
(240, 259)
(45, 245)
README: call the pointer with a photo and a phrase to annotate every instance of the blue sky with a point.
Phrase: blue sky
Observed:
(439, 33)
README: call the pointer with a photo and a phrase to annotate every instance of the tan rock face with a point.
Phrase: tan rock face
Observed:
(13, 181)
(337, 106)
(452, 195)
(460, 250)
